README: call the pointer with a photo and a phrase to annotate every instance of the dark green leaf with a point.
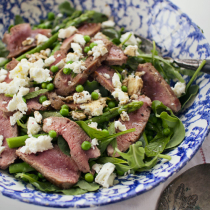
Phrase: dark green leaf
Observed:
(111, 33)
(18, 20)
(63, 145)
(74, 191)
(188, 72)
(98, 18)
(159, 68)
(34, 94)
(149, 164)
(116, 41)
(3, 50)
(82, 184)
(133, 62)
(91, 86)
(113, 160)
(65, 8)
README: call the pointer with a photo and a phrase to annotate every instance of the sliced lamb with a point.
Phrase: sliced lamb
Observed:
(65, 84)
(116, 56)
(75, 136)
(8, 156)
(17, 35)
(59, 55)
(156, 88)
(55, 100)
(138, 120)
(101, 75)
(4, 102)
(55, 166)
(12, 64)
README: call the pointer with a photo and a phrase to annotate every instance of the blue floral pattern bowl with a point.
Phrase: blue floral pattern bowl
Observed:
(177, 36)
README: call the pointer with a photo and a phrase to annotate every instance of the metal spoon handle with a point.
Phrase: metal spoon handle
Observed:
(193, 64)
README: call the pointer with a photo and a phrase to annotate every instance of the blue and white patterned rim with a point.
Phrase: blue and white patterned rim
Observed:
(174, 32)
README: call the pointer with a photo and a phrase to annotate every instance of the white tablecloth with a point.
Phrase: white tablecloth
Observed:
(199, 12)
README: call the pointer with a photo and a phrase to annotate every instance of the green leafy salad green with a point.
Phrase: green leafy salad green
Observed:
(163, 131)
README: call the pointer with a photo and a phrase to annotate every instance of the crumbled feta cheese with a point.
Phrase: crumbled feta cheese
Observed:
(107, 76)
(1, 140)
(2, 148)
(28, 41)
(3, 74)
(116, 81)
(121, 96)
(60, 15)
(69, 82)
(94, 108)
(41, 38)
(106, 176)
(134, 85)
(38, 117)
(97, 167)
(40, 75)
(76, 48)
(98, 50)
(72, 57)
(46, 103)
(124, 116)
(82, 97)
(107, 24)
(49, 60)
(4, 102)
(131, 50)
(60, 64)
(15, 117)
(36, 88)
(77, 66)
(78, 115)
(32, 126)
(120, 126)
(47, 52)
(179, 88)
(67, 32)
(94, 143)
(79, 38)
(23, 91)
(34, 145)
(48, 122)
(93, 125)
(39, 63)
(132, 40)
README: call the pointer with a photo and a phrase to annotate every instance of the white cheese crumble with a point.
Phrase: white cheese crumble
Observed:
(3, 74)
(48, 122)
(40, 75)
(78, 115)
(28, 41)
(77, 48)
(106, 176)
(72, 57)
(15, 117)
(82, 97)
(60, 64)
(107, 76)
(179, 88)
(36, 88)
(1, 142)
(38, 117)
(120, 126)
(131, 41)
(34, 145)
(93, 125)
(79, 38)
(49, 60)
(77, 66)
(2, 148)
(124, 116)
(98, 50)
(67, 32)
(116, 81)
(121, 96)
(97, 167)
(131, 50)
(107, 24)
(41, 38)
(94, 143)
(46, 103)
(32, 126)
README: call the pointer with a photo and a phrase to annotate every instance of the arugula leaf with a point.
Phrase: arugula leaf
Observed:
(98, 18)
(63, 145)
(65, 8)
(111, 33)
(50, 114)
(22, 125)
(133, 62)
(82, 184)
(91, 86)
(159, 68)
(173, 122)
(74, 191)
(149, 164)
(18, 20)
(3, 50)
(34, 94)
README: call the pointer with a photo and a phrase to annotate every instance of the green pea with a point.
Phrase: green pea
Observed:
(79, 88)
(86, 38)
(105, 131)
(106, 109)
(120, 173)
(70, 62)
(42, 99)
(89, 177)
(24, 99)
(86, 145)
(94, 95)
(166, 131)
(93, 44)
(54, 69)
(111, 104)
(149, 138)
(50, 16)
(65, 107)
(153, 119)
(44, 85)
(124, 88)
(64, 112)
(52, 134)
(40, 176)
(50, 86)
(66, 70)
(86, 49)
